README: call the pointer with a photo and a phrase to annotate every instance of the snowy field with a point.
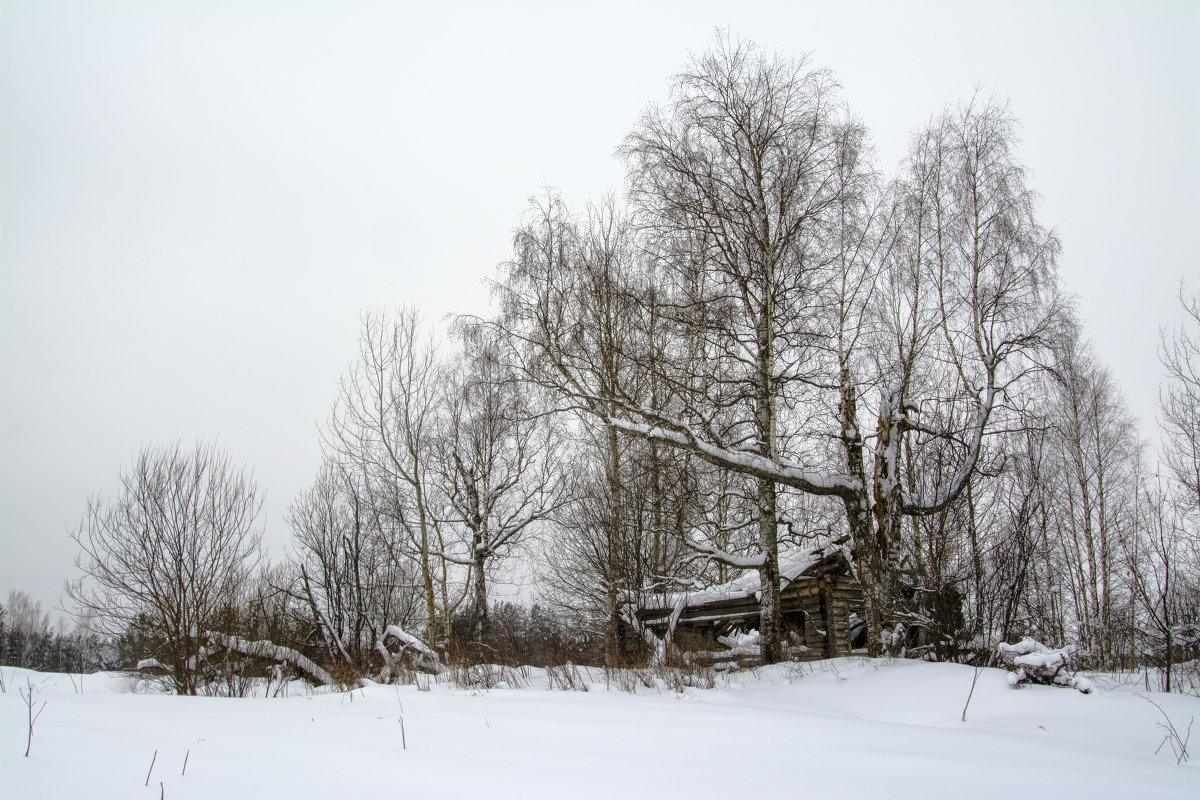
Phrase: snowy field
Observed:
(844, 728)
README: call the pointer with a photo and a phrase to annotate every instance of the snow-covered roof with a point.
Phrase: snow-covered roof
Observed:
(793, 567)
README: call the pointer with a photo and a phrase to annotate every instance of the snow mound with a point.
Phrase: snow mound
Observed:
(844, 727)
(1030, 661)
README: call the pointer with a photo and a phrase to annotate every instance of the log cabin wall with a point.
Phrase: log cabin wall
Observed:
(815, 610)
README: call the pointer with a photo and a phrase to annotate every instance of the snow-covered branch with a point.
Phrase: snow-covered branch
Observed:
(1033, 662)
(922, 506)
(273, 652)
(423, 657)
(675, 434)
(741, 562)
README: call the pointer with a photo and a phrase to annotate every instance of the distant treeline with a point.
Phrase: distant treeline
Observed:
(28, 640)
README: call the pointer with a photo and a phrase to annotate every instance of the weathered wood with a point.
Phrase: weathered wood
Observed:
(815, 607)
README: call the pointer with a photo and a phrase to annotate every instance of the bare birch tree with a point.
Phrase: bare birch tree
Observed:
(799, 292)
(1164, 582)
(350, 581)
(499, 473)
(568, 320)
(1179, 401)
(1100, 455)
(740, 164)
(169, 551)
(383, 429)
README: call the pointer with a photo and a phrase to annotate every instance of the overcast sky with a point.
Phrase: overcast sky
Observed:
(198, 200)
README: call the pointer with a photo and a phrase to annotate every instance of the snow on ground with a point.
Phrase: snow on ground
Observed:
(851, 727)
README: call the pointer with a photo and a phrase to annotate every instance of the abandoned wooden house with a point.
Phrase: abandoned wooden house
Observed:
(820, 600)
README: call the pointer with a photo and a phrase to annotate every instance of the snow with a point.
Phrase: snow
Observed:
(274, 652)
(791, 568)
(425, 657)
(1031, 660)
(408, 640)
(741, 562)
(741, 644)
(847, 727)
(784, 471)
